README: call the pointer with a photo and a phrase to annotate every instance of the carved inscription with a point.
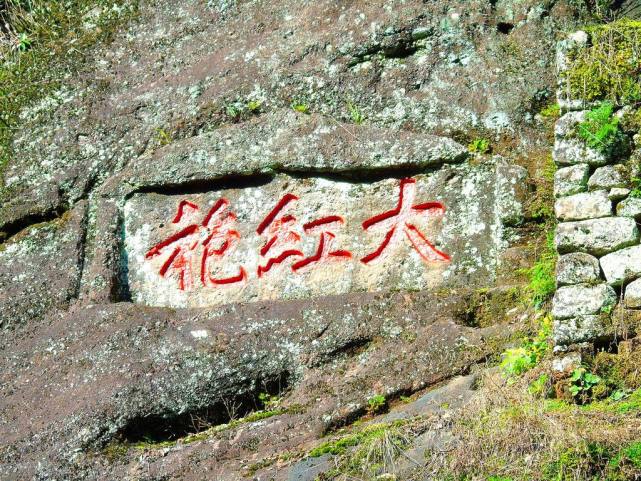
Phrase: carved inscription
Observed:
(198, 252)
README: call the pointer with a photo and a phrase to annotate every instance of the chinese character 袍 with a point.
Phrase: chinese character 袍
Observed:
(215, 234)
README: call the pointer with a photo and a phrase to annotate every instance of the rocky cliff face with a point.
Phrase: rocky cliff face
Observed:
(238, 201)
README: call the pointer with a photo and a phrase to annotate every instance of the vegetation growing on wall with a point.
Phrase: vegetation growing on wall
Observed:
(608, 69)
(42, 42)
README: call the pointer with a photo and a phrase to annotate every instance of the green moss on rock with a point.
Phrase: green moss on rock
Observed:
(607, 69)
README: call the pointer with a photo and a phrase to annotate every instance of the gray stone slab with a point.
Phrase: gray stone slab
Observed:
(596, 236)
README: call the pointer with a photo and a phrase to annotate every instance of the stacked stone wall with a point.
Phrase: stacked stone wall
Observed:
(597, 236)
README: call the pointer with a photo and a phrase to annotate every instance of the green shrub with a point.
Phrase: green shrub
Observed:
(254, 106)
(583, 383)
(600, 129)
(518, 360)
(376, 403)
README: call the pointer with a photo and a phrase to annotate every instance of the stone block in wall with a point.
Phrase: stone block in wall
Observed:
(565, 49)
(572, 151)
(571, 180)
(608, 177)
(632, 298)
(577, 329)
(618, 193)
(596, 236)
(582, 300)
(568, 148)
(586, 205)
(563, 366)
(630, 207)
(622, 266)
(577, 268)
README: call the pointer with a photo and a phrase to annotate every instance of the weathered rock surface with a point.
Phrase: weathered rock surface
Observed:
(571, 180)
(608, 177)
(123, 371)
(40, 269)
(577, 268)
(577, 329)
(630, 207)
(586, 205)
(632, 297)
(199, 65)
(194, 101)
(582, 300)
(596, 236)
(622, 265)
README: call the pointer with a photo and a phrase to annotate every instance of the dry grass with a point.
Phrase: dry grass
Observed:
(506, 432)
(503, 434)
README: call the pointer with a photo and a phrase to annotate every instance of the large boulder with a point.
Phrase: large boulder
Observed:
(137, 334)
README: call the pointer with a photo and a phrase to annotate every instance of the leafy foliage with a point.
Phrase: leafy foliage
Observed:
(355, 113)
(600, 129)
(582, 382)
(479, 146)
(376, 403)
(636, 187)
(518, 360)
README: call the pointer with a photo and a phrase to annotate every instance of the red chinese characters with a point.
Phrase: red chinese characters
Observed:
(324, 251)
(399, 221)
(200, 250)
(283, 238)
(210, 240)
